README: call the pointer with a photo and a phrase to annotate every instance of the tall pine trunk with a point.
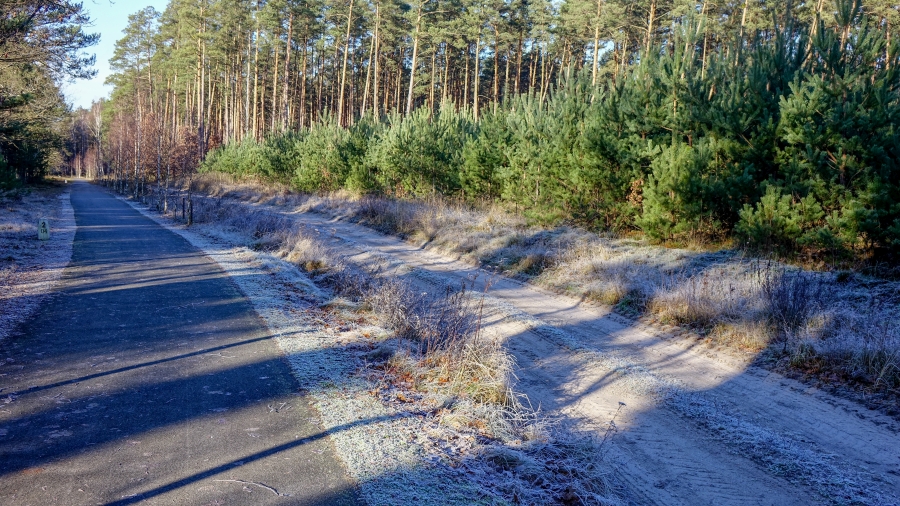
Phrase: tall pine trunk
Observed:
(344, 66)
(596, 62)
(412, 66)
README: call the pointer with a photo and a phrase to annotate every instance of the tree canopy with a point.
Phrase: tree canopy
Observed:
(42, 43)
(772, 124)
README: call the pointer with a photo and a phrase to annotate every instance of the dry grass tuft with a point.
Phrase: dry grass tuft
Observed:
(747, 335)
(862, 347)
(299, 248)
(443, 343)
(791, 298)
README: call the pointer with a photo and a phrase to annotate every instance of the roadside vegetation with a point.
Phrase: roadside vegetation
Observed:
(783, 143)
(839, 327)
(425, 355)
(769, 127)
(256, 216)
(658, 177)
(42, 44)
(780, 146)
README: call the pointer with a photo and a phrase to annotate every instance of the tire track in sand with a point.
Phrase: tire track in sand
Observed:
(697, 427)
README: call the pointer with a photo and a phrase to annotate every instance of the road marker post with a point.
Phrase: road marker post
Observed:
(43, 229)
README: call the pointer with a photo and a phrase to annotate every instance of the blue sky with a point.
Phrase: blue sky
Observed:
(109, 19)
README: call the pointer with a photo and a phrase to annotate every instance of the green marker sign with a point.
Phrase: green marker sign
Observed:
(43, 229)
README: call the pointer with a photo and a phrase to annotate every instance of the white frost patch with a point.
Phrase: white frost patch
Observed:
(38, 264)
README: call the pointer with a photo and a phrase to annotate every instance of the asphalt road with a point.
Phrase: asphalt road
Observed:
(150, 379)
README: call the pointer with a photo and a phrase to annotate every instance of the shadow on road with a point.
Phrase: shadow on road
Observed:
(148, 375)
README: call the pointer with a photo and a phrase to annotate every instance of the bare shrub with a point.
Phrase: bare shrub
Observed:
(349, 281)
(448, 320)
(398, 306)
(791, 298)
(438, 321)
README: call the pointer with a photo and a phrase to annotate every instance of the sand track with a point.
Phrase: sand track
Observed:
(698, 426)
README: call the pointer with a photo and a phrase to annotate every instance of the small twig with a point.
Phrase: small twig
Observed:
(270, 489)
(611, 428)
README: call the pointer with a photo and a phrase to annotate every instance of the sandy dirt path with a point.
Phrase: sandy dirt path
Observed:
(696, 427)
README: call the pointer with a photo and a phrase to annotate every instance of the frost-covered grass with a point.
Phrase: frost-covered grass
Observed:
(416, 399)
(29, 267)
(840, 326)
(784, 454)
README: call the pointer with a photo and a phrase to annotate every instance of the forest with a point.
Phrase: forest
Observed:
(765, 125)
(42, 44)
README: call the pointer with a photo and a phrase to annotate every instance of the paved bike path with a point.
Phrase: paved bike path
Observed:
(150, 379)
